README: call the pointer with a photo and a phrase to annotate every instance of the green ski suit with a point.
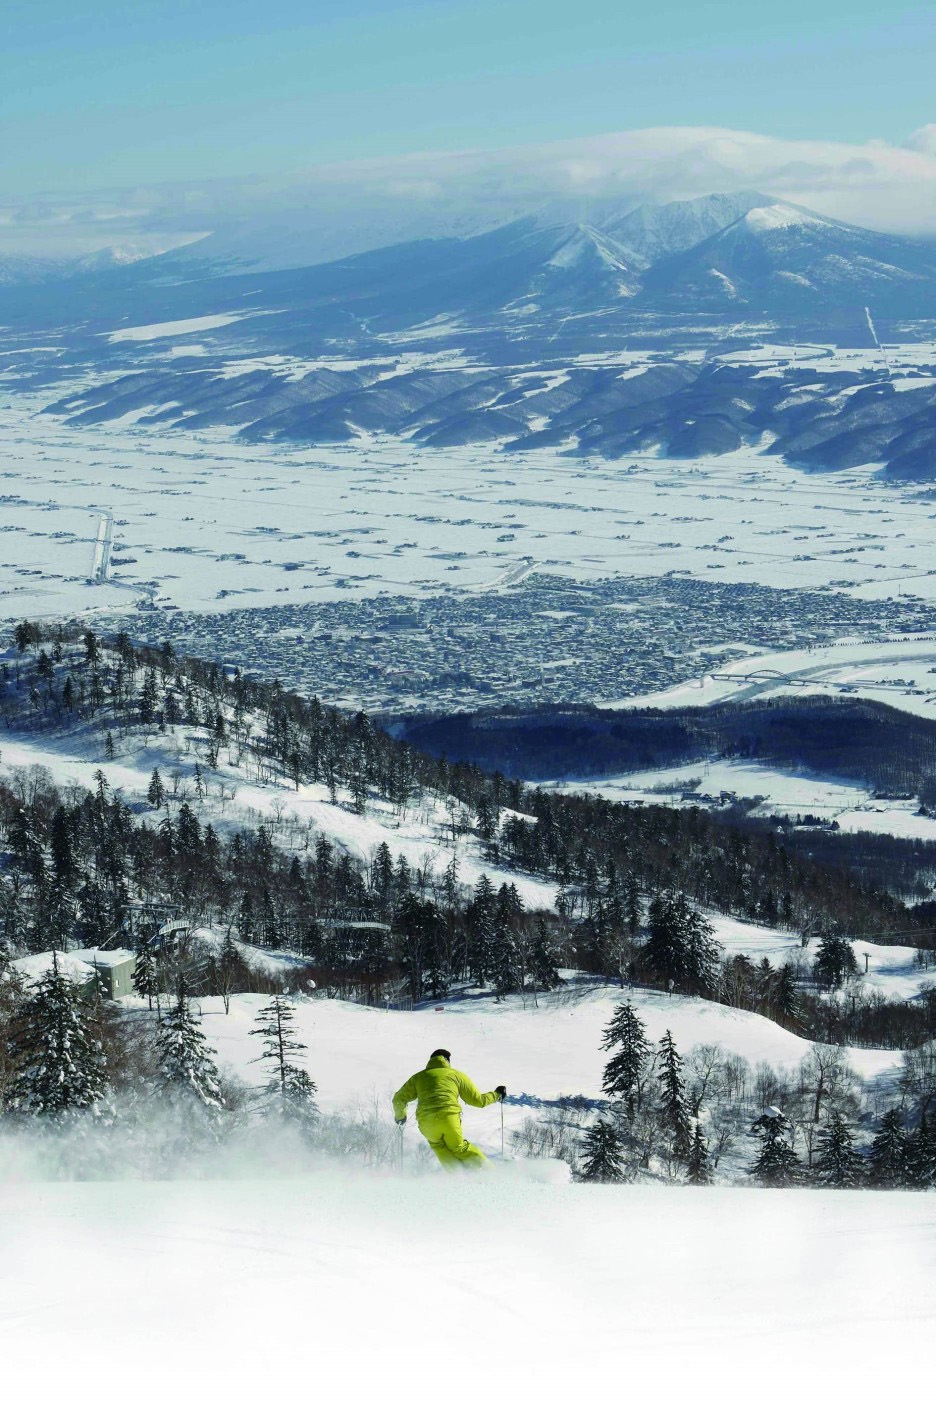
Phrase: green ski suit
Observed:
(436, 1091)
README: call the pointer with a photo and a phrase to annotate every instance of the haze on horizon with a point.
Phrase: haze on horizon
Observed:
(148, 126)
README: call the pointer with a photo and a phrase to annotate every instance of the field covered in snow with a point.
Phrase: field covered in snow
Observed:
(900, 672)
(851, 805)
(361, 1287)
(206, 523)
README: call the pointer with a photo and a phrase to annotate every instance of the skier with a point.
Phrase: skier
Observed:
(436, 1091)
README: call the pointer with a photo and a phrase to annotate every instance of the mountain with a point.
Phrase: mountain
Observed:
(652, 231)
(787, 260)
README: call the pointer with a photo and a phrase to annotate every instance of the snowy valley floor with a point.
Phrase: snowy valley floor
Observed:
(355, 1286)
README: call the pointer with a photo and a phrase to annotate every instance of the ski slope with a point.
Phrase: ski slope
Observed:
(359, 1056)
(353, 1287)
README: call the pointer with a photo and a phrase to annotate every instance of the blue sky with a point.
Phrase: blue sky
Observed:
(96, 93)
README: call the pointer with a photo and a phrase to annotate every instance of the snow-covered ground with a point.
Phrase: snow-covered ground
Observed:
(359, 1056)
(348, 1286)
(900, 672)
(422, 836)
(295, 817)
(783, 792)
(208, 523)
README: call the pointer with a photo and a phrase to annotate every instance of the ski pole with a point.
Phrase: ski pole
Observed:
(502, 1128)
(401, 1149)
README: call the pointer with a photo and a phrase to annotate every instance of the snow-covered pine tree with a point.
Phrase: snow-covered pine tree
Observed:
(626, 1037)
(666, 952)
(838, 1165)
(603, 1154)
(481, 919)
(785, 998)
(673, 1109)
(835, 962)
(156, 791)
(230, 969)
(187, 1069)
(543, 961)
(703, 954)
(144, 974)
(290, 1092)
(922, 1154)
(60, 1071)
(631, 903)
(777, 1164)
(509, 909)
(697, 1166)
(889, 1153)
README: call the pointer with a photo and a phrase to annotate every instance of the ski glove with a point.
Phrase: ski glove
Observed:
(501, 1091)
(400, 1120)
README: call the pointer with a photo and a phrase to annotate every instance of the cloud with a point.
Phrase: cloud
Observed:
(330, 211)
(924, 139)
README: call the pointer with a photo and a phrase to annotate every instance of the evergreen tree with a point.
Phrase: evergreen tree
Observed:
(703, 953)
(889, 1154)
(509, 909)
(624, 1072)
(665, 951)
(835, 962)
(186, 1066)
(697, 1166)
(144, 975)
(777, 1164)
(631, 903)
(231, 969)
(603, 1158)
(188, 833)
(838, 1164)
(149, 696)
(675, 1113)
(481, 930)
(681, 948)
(785, 998)
(60, 1070)
(922, 1154)
(543, 961)
(156, 793)
(246, 920)
(290, 1092)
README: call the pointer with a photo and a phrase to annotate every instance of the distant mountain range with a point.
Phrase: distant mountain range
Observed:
(514, 336)
(740, 253)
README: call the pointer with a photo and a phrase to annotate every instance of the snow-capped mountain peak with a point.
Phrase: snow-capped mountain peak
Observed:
(764, 218)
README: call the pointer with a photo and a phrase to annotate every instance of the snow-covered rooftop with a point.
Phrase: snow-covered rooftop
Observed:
(91, 956)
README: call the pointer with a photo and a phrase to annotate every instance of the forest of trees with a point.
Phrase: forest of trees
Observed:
(849, 737)
(84, 868)
(684, 1117)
